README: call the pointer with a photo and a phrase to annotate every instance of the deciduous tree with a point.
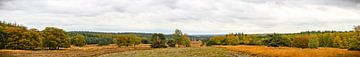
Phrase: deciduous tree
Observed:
(79, 40)
(54, 38)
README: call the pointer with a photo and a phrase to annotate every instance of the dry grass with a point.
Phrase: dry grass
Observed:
(293, 52)
(195, 43)
(86, 51)
(179, 52)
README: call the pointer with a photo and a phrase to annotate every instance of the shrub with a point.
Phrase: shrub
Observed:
(216, 40)
(355, 42)
(301, 41)
(158, 41)
(231, 40)
(171, 43)
(313, 43)
(325, 40)
(127, 40)
(275, 41)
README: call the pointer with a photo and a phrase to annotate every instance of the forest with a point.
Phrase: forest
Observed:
(15, 36)
(309, 39)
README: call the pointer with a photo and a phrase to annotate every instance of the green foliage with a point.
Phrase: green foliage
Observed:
(171, 43)
(121, 40)
(2, 38)
(20, 38)
(127, 40)
(216, 40)
(301, 41)
(231, 39)
(55, 38)
(325, 40)
(355, 41)
(79, 40)
(145, 41)
(313, 43)
(15, 36)
(158, 41)
(180, 38)
(104, 41)
(276, 40)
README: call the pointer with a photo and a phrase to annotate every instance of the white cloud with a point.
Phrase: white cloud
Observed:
(192, 16)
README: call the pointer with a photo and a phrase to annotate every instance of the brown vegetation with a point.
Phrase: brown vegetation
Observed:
(85, 51)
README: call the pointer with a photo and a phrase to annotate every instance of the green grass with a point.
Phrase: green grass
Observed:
(179, 52)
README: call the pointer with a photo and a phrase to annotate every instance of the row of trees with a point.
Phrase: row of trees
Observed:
(158, 40)
(14, 36)
(312, 39)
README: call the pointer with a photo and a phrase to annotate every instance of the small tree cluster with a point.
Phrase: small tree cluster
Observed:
(127, 40)
(158, 41)
(180, 39)
(13, 36)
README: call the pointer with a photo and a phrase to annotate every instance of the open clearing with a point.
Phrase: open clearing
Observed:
(86, 51)
(293, 52)
(179, 52)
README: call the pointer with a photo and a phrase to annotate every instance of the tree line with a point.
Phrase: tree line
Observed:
(310, 39)
(14, 36)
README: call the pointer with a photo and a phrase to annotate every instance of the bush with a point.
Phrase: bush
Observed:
(231, 40)
(216, 40)
(276, 41)
(301, 41)
(171, 43)
(145, 41)
(313, 43)
(325, 41)
(127, 40)
(158, 41)
(355, 42)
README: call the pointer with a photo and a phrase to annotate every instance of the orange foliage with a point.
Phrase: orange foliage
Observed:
(293, 52)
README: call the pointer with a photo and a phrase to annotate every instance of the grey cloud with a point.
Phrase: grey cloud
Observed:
(195, 16)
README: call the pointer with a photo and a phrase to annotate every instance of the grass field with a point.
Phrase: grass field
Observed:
(86, 51)
(179, 52)
(292, 52)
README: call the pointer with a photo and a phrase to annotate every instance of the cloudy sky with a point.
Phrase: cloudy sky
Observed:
(191, 16)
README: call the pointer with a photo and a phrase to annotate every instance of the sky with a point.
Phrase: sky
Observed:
(190, 16)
